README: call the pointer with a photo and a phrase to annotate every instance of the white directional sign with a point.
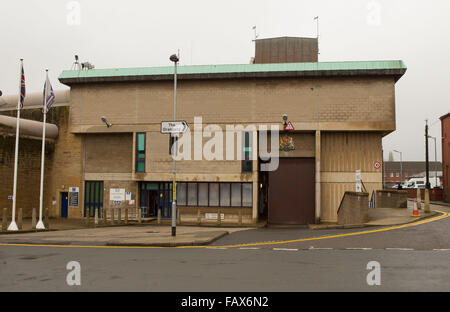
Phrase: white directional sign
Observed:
(174, 126)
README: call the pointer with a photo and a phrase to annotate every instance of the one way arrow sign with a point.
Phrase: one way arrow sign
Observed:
(174, 126)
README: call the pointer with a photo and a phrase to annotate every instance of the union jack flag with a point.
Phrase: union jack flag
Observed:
(22, 88)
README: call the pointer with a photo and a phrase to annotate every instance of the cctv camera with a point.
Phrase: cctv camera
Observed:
(285, 117)
(103, 118)
(174, 58)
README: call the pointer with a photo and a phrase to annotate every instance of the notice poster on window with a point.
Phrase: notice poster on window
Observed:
(117, 194)
(73, 196)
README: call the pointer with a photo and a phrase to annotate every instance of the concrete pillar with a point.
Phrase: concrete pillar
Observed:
(199, 217)
(33, 218)
(47, 219)
(126, 215)
(427, 201)
(112, 214)
(5, 219)
(20, 219)
(419, 199)
(318, 151)
(159, 215)
(119, 216)
(139, 215)
(255, 176)
(96, 217)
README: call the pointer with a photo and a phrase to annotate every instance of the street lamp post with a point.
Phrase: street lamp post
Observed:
(401, 165)
(435, 159)
(174, 58)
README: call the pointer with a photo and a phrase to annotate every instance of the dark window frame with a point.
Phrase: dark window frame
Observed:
(137, 159)
(247, 163)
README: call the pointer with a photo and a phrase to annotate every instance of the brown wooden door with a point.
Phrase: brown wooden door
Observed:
(292, 192)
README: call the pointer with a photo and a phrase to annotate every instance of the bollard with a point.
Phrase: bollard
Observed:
(20, 219)
(126, 215)
(426, 208)
(159, 215)
(96, 217)
(33, 219)
(139, 215)
(47, 219)
(119, 216)
(5, 219)
(218, 217)
(240, 217)
(419, 199)
(199, 218)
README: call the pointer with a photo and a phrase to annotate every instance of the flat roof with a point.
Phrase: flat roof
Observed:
(229, 71)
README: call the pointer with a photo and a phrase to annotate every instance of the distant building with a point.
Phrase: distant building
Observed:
(411, 169)
(445, 122)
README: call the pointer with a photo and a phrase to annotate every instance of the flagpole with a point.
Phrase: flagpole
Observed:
(13, 225)
(40, 225)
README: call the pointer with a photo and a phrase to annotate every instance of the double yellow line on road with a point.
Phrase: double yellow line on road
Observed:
(416, 223)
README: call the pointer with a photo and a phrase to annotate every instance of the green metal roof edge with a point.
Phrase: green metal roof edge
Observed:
(234, 68)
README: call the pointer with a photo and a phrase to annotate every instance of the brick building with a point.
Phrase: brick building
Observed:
(396, 172)
(445, 122)
(340, 112)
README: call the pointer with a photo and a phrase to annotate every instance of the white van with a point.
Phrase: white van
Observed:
(420, 183)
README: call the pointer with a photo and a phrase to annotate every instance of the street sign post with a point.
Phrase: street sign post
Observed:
(170, 127)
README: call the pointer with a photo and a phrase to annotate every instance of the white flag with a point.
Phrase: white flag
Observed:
(49, 95)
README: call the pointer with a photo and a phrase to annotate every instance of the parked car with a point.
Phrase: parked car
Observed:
(420, 183)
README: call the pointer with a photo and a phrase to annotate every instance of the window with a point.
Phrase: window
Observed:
(140, 152)
(392, 174)
(247, 152)
(236, 194)
(397, 174)
(203, 194)
(192, 194)
(247, 195)
(181, 194)
(225, 194)
(213, 194)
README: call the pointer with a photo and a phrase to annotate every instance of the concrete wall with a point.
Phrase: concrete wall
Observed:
(391, 199)
(326, 103)
(342, 153)
(108, 153)
(354, 208)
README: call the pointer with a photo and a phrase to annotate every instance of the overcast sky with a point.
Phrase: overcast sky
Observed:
(138, 33)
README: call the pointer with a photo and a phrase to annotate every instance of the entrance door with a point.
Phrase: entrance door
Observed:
(292, 192)
(64, 204)
(93, 198)
(153, 203)
(155, 195)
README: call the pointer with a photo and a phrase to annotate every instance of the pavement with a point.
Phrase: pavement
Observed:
(76, 231)
(131, 235)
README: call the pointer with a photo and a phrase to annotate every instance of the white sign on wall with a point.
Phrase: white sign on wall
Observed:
(116, 194)
(358, 181)
(128, 196)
